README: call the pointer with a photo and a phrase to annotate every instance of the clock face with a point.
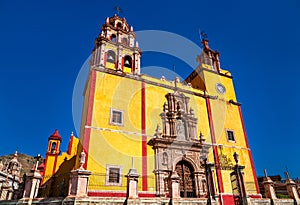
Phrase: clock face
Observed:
(220, 88)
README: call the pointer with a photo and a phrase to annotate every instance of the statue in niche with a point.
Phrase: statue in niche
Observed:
(165, 159)
(180, 129)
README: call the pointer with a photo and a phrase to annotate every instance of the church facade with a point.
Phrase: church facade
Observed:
(190, 131)
(164, 126)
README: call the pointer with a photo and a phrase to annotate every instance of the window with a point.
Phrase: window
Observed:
(113, 38)
(116, 117)
(119, 25)
(230, 135)
(53, 147)
(113, 175)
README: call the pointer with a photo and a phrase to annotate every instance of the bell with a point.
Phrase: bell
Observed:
(127, 63)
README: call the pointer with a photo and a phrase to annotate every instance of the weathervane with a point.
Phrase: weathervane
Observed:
(118, 9)
(203, 35)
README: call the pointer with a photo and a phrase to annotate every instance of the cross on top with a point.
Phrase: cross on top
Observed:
(118, 9)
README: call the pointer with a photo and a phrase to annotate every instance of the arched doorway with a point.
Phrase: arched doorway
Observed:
(187, 179)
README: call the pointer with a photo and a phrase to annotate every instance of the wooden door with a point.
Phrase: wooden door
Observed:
(187, 179)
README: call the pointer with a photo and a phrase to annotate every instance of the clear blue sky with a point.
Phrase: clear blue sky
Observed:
(44, 44)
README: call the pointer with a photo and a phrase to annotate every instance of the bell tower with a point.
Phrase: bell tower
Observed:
(54, 144)
(116, 47)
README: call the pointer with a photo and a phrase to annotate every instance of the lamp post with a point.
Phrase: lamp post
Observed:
(240, 180)
(206, 167)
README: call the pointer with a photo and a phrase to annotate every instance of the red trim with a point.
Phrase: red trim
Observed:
(70, 145)
(105, 56)
(107, 194)
(87, 131)
(119, 194)
(227, 199)
(45, 169)
(132, 64)
(215, 148)
(144, 140)
(146, 195)
(255, 196)
(249, 152)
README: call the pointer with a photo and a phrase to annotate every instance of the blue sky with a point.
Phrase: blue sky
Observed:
(44, 44)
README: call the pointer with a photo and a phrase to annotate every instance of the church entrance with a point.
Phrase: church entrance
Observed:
(187, 179)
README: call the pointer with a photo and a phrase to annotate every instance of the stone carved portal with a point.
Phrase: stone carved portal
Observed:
(178, 149)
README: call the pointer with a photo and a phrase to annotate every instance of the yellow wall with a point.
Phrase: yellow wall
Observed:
(117, 148)
(113, 145)
(226, 116)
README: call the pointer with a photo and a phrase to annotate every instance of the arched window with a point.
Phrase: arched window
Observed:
(53, 146)
(113, 38)
(128, 61)
(111, 56)
(119, 25)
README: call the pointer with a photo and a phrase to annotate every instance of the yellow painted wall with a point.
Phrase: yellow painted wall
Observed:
(113, 145)
(226, 116)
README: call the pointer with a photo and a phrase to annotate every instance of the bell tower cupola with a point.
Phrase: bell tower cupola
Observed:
(54, 143)
(116, 47)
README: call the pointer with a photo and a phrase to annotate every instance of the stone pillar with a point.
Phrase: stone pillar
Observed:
(119, 57)
(269, 187)
(197, 184)
(132, 183)
(2, 181)
(79, 183)
(160, 183)
(291, 188)
(175, 186)
(6, 192)
(32, 184)
(79, 179)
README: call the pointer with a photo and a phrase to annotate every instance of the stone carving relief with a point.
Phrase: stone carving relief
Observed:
(177, 145)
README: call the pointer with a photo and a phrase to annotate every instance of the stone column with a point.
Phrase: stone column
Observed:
(132, 183)
(2, 181)
(269, 187)
(79, 179)
(291, 188)
(197, 184)
(79, 183)
(119, 57)
(32, 184)
(6, 192)
(175, 187)
(160, 184)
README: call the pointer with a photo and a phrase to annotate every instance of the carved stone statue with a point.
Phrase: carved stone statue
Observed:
(82, 160)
